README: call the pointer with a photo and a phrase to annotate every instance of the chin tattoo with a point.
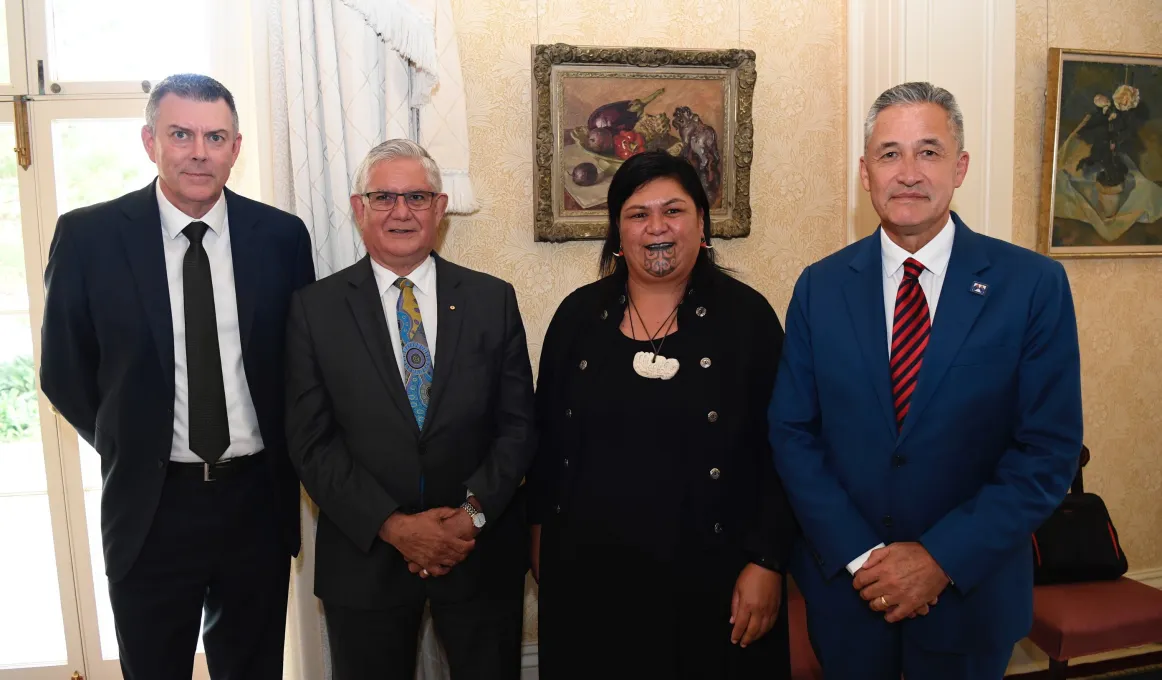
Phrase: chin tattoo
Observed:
(659, 263)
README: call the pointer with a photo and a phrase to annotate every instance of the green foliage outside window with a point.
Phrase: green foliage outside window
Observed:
(19, 416)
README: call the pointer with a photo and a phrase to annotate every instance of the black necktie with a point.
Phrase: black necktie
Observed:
(209, 428)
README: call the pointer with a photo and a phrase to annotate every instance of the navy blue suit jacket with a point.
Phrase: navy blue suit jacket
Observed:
(986, 453)
(107, 362)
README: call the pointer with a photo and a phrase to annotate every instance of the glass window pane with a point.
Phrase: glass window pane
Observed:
(96, 160)
(5, 69)
(91, 42)
(16, 338)
(32, 628)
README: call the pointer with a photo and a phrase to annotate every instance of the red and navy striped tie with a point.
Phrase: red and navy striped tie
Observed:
(910, 331)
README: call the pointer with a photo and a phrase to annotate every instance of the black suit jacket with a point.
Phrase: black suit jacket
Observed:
(737, 330)
(107, 361)
(354, 439)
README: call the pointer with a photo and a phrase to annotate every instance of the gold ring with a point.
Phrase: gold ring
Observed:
(884, 601)
(426, 573)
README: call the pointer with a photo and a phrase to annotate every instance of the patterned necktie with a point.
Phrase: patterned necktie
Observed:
(910, 331)
(417, 359)
(209, 425)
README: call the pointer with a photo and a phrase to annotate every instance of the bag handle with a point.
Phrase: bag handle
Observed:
(1078, 486)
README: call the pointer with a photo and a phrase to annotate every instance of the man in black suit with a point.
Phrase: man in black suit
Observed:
(163, 345)
(410, 421)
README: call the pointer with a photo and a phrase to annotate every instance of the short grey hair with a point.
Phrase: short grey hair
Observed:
(391, 150)
(917, 93)
(193, 86)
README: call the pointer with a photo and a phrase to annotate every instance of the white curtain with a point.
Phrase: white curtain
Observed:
(344, 76)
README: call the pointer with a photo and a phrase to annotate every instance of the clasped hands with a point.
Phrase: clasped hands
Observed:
(901, 580)
(433, 541)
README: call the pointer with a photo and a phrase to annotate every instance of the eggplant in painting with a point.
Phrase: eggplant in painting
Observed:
(622, 115)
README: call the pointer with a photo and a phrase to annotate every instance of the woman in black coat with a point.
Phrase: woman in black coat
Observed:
(660, 529)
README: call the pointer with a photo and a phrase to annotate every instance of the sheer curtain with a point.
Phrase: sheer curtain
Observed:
(345, 75)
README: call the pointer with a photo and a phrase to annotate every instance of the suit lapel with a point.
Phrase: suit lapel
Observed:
(367, 308)
(956, 312)
(244, 246)
(142, 237)
(865, 303)
(450, 298)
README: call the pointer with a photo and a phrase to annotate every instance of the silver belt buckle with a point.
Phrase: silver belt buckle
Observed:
(206, 473)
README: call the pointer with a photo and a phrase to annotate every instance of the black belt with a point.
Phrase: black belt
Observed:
(223, 469)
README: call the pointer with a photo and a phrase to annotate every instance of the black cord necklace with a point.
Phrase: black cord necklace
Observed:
(653, 364)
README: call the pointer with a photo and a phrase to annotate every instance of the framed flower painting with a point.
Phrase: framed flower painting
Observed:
(595, 107)
(1101, 192)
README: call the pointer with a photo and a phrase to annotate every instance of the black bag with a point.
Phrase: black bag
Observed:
(1079, 541)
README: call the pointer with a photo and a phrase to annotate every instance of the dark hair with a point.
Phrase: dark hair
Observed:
(642, 169)
(188, 86)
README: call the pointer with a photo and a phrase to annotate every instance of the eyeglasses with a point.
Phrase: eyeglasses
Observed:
(386, 200)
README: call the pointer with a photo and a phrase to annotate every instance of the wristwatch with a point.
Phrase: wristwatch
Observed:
(475, 515)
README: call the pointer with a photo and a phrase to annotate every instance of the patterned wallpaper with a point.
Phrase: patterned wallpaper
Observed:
(798, 179)
(1119, 306)
(798, 201)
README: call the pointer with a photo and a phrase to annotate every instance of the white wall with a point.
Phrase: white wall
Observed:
(965, 46)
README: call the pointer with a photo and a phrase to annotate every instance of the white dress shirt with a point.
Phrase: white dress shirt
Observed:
(245, 438)
(423, 279)
(934, 256)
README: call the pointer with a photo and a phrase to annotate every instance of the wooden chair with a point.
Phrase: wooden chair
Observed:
(1077, 619)
(804, 665)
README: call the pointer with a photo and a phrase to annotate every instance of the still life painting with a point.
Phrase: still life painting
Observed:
(1102, 180)
(594, 108)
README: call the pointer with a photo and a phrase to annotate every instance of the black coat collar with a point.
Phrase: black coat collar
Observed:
(610, 292)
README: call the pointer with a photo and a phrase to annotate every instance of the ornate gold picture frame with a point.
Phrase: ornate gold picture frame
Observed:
(1101, 175)
(594, 107)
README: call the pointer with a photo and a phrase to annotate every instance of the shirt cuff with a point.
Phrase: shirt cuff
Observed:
(857, 564)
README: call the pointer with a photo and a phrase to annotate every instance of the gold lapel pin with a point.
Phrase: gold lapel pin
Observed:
(451, 306)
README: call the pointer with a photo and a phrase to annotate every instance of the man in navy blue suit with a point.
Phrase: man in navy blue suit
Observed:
(926, 418)
(163, 345)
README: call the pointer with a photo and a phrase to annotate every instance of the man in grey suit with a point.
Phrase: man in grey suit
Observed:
(410, 422)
